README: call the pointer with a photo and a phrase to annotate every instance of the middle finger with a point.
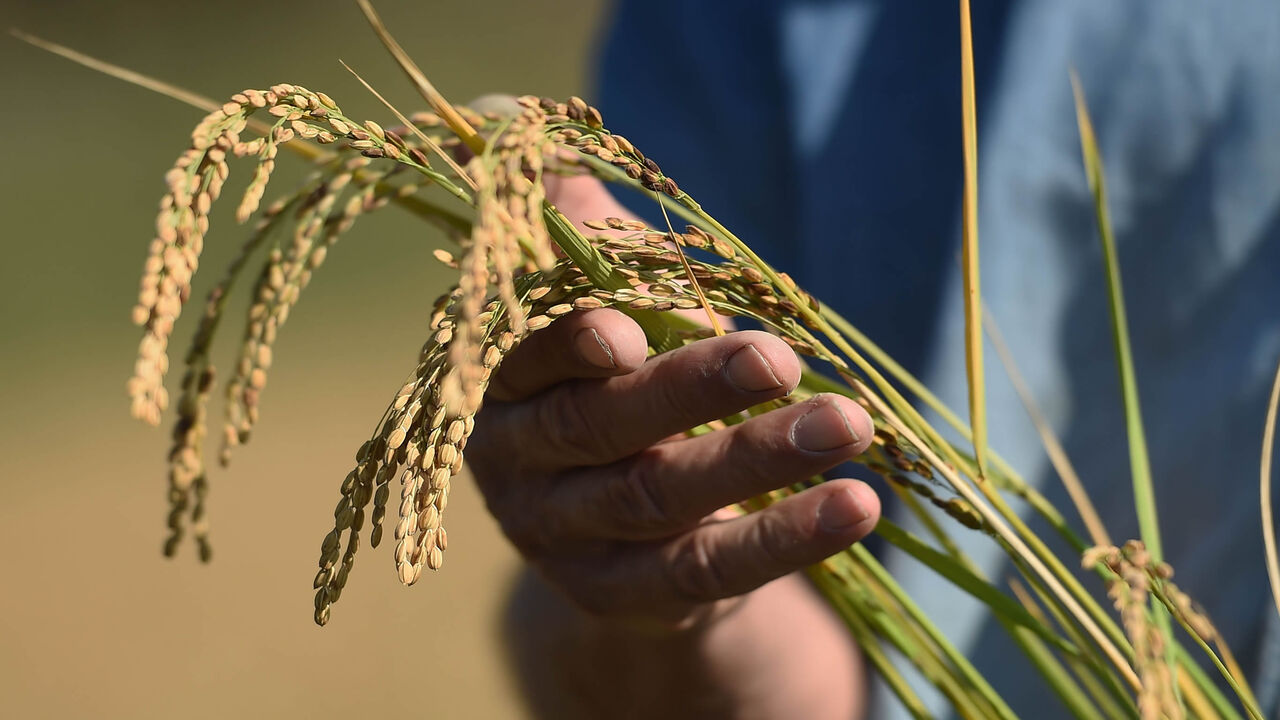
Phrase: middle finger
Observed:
(598, 421)
(671, 487)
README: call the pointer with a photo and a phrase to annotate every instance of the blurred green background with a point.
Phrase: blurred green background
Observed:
(93, 621)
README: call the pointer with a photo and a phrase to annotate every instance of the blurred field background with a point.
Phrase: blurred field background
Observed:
(93, 621)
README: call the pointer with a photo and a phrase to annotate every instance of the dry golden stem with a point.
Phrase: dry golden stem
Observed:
(443, 107)
(1264, 485)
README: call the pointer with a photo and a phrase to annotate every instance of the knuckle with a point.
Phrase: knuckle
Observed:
(695, 572)
(680, 399)
(527, 530)
(750, 452)
(526, 512)
(564, 423)
(500, 446)
(775, 540)
(634, 496)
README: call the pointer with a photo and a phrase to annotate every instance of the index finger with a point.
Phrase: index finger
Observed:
(590, 344)
(593, 422)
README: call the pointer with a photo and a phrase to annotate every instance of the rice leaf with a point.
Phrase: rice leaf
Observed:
(1071, 693)
(964, 579)
(963, 683)
(868, 642)
(1139, 463)
(969, 248)
(1195, 681)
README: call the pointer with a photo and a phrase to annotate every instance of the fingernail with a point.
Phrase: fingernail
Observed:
(841, 511)
(748, 371)
(592, 348)
(823, 428)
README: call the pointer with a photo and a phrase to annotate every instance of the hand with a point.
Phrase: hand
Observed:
(579, 455)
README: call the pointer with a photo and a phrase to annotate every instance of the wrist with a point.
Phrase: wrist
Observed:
(776, 651)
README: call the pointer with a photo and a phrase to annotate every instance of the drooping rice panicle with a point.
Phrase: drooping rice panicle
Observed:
(186, 456)
(298, 113)
(318, 227)
(194, 182)
(1136, 572)
(278, 288)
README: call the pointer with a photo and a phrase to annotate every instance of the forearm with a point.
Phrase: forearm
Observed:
(780, 653)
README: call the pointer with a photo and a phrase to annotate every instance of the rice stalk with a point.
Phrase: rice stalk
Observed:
(965, 670)
(970, 583)
(969, 248)
(1081, 701)
(868, 641)
(1264, 490)
(1053, 447)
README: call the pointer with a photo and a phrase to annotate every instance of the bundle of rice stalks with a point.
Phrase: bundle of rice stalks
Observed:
(522, 265)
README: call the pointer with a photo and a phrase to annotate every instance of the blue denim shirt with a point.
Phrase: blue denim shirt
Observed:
(828, 134)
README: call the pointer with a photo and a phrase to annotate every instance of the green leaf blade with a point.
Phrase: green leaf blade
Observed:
(969, 248)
